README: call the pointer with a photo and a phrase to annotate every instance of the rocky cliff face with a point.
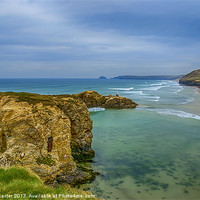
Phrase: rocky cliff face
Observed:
(44, 133)
(51, 134)
(191, 79)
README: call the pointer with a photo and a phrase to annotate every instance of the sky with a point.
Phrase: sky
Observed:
(90, 38)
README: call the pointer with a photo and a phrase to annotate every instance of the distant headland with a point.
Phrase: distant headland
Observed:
(152, 77)
(191, 79)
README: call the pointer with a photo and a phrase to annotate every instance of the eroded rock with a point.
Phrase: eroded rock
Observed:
(94, 99)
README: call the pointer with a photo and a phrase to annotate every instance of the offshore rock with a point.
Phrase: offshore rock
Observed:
(102, 77)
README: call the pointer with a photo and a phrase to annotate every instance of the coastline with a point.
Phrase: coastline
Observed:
(198, 89)
(133, 136)
(193, 106)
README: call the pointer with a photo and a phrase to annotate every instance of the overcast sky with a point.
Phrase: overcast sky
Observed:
(90, 38)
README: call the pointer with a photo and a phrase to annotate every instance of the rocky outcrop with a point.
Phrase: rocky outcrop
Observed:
(191, 79)
(94, 99)
(51, 134)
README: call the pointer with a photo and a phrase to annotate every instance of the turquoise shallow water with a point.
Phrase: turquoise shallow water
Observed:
(152, 152)
(151, 157)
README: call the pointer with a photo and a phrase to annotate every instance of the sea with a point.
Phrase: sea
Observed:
(148, 153)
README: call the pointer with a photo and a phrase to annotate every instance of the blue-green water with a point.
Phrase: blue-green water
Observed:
(152, 152)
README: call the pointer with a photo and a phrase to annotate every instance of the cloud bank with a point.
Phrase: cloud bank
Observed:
(92, 38)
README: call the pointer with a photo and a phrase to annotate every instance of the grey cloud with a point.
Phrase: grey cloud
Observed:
(46, 40)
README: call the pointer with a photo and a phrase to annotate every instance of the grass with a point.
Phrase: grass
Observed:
(32, 98)
(19, 183)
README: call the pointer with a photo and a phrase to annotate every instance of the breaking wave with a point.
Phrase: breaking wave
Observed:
(177, 113)
(162, 83)
(96, 109)
(179, 90)
(134, 92)
(126, 89)
(153, 88)
(157, 98)
(187, 101)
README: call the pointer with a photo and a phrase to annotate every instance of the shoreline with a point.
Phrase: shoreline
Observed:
(198, 89)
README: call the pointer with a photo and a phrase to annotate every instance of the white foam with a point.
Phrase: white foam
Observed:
(96, 109)
(135, 92)
(157, 98)
(161, 83)
(126, 89)
(156, 84)
(147, 97)
(154, 88)
(177, 113)
(187, 101)
(179, 90)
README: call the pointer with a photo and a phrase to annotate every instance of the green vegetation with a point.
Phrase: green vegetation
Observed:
(20, 184)
(46, 160)
(32, 98)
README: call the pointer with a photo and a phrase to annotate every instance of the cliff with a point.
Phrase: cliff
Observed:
(51, 134)
(191, 79)
(45, 133)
